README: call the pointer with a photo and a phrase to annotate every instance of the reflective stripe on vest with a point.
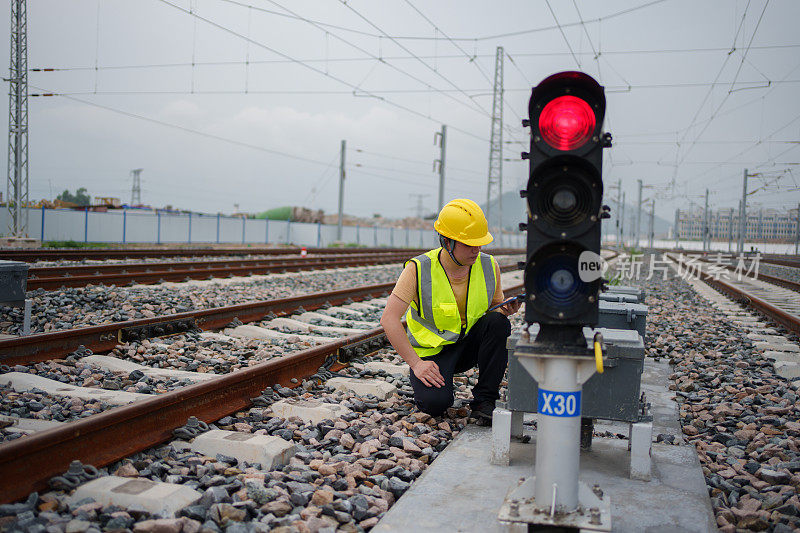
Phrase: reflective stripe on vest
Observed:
(437, 321)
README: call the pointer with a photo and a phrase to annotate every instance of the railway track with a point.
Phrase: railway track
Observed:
(55, 277)
(775, 280)
(782, 260)
(31, 256)
(28, 463)
(777, 303)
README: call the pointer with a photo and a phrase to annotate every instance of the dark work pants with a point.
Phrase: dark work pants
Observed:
(485, 347)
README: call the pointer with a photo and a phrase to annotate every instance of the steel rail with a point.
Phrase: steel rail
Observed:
(773, 259)
(771, 311)
(781, 262)
(132, 253)
(43, 346)
(786, 283)
(28, 463)
(72, 254)
(115, 267)
(120, 275)
(106, 437)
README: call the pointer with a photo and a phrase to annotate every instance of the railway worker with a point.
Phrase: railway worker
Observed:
(445, 294)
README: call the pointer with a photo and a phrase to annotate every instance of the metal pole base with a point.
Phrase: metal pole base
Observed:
(520, 508)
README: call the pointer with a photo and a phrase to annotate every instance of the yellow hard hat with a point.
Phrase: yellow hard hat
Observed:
(463, 220)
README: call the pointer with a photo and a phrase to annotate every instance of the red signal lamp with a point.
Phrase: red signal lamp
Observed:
(567, 122)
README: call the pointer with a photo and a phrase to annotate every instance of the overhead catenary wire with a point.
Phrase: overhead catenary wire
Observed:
(355, 88)
(239, 62)
(415, 56)
(415, 161)
(323, 180)
(379, 60)
(736, 76)
(477, 92)
(467, 39)
(774, 85)
(761, 141)
(564, 35)
(388, 169)
(190, 130)
(710, 90)
(470, 58)
(692, 162)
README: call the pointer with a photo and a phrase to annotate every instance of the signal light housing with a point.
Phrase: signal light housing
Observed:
(564, 195)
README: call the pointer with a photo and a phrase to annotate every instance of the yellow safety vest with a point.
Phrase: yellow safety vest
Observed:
(436, 322)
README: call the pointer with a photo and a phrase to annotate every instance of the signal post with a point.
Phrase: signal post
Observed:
(562, 282)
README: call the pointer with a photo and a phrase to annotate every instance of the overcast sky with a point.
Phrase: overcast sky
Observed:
(268, 133)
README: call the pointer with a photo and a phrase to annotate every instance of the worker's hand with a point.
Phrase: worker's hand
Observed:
(428, 373)
(511, 307)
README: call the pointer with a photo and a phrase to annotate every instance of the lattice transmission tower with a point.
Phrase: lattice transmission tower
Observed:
(17, 184)
(495, 183)
(136, 187)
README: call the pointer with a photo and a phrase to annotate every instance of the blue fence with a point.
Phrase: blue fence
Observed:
(136, 226)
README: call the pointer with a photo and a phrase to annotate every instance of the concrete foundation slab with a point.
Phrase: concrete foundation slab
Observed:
(214, 336)
(363, 387)
(462, 491)
(22, 382)
(343, 311)
(389, 368)
(789, 357)
(360, 306)
(309, 316)
(305, 326)
(164, 499)
(116, 364)
(256, 332)
(271, 452)
(27, 425)
(757, 326)
(311, 411)
(777, 346)
(761, 337)
(788, 370)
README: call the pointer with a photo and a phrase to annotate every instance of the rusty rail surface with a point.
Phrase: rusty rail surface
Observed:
(116, 267)
(771, 311)
(101, 439)
(43, 346)
(51, 278)
(786, 283)
(28, 463)
(781, 262)
(71, 254)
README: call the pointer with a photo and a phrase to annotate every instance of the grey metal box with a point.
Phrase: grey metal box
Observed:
(616, 315)
(626, 289)
(13, 281)
(618, 297)
(612, 395)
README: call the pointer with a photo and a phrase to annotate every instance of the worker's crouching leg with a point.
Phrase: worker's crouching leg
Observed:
(436, 400)
(432, 400)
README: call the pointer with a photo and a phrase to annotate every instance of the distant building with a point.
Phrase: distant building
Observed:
(763, 225)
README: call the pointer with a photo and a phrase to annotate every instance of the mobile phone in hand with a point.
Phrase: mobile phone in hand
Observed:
(507, 300)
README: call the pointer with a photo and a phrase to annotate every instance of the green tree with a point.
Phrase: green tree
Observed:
(80, 197)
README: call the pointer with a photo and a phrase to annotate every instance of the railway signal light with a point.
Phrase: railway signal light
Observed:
(564, 196)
